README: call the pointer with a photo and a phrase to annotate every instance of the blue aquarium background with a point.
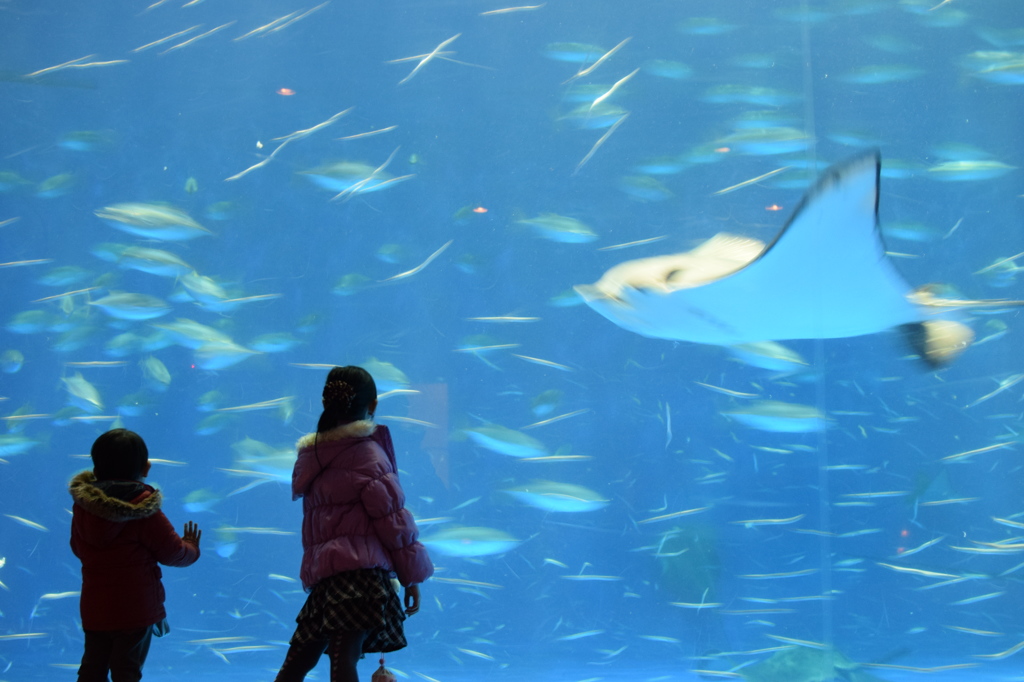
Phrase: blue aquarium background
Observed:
(205, 205)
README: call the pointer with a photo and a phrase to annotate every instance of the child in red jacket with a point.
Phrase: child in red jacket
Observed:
(120, 535)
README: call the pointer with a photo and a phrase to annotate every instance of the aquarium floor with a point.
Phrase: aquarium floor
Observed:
(523, 674)
(575, 676)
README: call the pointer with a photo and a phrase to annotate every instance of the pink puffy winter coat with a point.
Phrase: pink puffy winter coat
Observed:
(353, 507)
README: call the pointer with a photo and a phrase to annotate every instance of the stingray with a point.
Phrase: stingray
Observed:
(801, 664)
(825, 276)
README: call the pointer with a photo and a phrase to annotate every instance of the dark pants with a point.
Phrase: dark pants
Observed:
(344, 648)
(122, 652)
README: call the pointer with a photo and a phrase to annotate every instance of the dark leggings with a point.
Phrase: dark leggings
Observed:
(344, 649)
(122, 652)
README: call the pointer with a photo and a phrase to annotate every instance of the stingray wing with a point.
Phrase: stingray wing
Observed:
(826, 275)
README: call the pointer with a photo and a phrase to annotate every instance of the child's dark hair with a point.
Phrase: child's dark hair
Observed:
(119, 454)
(347, 395)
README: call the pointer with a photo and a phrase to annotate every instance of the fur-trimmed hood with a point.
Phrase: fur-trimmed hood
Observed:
(94, 500)
(363, 428)
(312, 461)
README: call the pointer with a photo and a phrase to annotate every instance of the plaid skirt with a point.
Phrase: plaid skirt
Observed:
(364, 599)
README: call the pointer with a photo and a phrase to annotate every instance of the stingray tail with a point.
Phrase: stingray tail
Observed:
(932, 297)
(938, 342)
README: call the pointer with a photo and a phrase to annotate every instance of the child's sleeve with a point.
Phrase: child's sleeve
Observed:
(165, 543)
(384, 501)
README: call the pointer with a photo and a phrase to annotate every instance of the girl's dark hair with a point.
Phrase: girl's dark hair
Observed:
(119, 454)
(347, 395)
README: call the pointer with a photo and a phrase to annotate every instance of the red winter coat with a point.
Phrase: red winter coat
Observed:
(120, 544)
(353, 507)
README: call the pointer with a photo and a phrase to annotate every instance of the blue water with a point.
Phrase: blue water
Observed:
(490, 140)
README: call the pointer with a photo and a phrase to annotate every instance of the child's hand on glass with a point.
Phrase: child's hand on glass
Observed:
(192, 534)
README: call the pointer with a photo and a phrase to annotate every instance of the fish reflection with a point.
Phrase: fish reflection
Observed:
(773, 415)
(558, 497)
(463, 541)
(154, 221)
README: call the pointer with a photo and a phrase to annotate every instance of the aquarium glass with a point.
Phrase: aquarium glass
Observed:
(756, 449)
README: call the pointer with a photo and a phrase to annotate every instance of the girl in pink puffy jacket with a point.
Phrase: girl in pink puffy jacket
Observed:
(356, 535)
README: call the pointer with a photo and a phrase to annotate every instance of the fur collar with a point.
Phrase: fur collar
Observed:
(93, 500)
(363, 428)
